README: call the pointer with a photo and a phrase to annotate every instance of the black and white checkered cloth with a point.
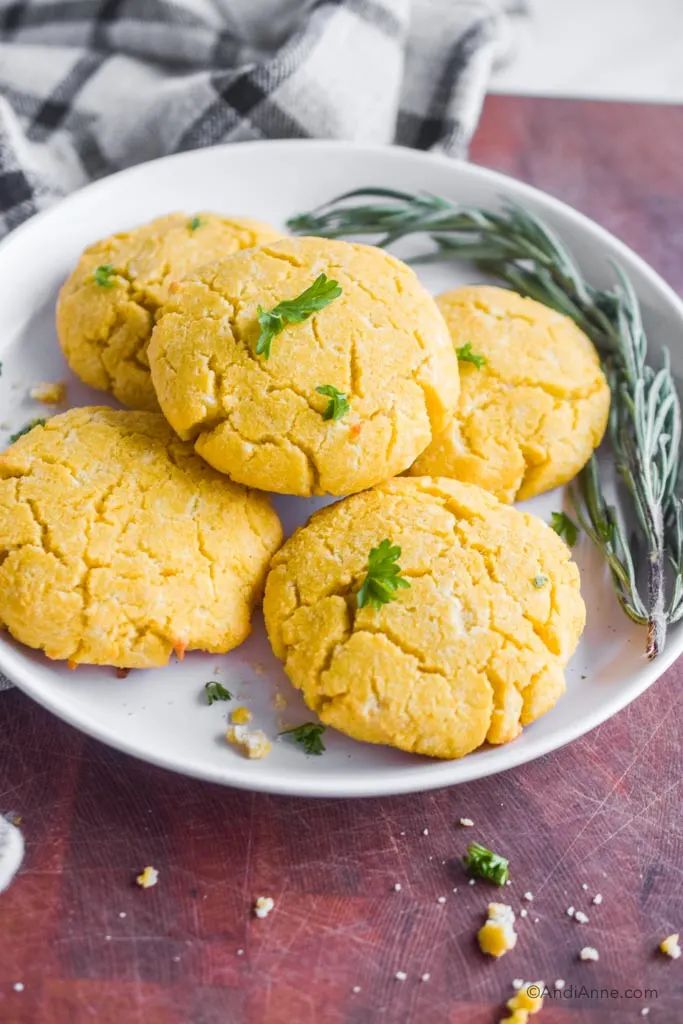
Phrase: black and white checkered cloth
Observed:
(88, 87)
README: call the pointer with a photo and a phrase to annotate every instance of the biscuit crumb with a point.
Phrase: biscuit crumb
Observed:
(425, 977)
(589, 953)
(580, 917)
(241, 716)
(400, 975)
(559, 984)
(397, 886)
(18, 986)
(528, 896)
(254, 744)
(263, 906)
(148, 878)
(597, 899)
(670, 946)
(356, 989)
(466, 822)
(527, 1001)
(49, 393)
(497, 935)
(523, 912)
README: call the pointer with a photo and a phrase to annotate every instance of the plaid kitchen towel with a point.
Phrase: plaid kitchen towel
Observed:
(88, 87)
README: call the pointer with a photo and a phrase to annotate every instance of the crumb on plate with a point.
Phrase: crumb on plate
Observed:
(254, 744)
(241, 716)
(49, 393)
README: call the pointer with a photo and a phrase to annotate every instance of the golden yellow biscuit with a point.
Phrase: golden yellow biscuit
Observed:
(119, 545)
(529, 419)
(104, 328)
(472, 651)
(382, 342)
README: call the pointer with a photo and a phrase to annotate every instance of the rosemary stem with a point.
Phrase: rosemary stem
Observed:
(656, 627)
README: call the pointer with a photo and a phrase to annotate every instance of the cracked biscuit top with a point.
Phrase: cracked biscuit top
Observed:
(528, 417)
(107, 307)
(118, 544)
(382, 343)
(470, 652)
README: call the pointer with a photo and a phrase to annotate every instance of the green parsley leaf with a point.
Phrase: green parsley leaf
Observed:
(194, 223)
(466, 355)
(294, 311)
(383, 578)
(309, 735)
(216, 691)
(26, 428)
(539, 581)
(103, 274)
(337, 406)
(483, 863)
(565, 527)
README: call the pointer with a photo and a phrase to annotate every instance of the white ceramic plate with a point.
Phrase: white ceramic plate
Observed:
(162, 715)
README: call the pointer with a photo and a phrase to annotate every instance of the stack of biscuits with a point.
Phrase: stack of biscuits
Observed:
(126, 535)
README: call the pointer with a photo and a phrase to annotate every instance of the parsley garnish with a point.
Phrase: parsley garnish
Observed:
(194, 223)
(309, 735)
(337, 406)
(26, 427)
(383, 578)
(216, 691)
(564, 526)
(293, 311)
(103, 274)
(484, 863)
(539, 581)
(466, 355)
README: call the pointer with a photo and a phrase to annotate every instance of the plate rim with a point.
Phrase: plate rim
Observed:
(413, 779)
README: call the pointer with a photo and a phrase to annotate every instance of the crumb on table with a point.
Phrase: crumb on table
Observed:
(671, 946)
(263, 906)
(497, 935)
(148, 877)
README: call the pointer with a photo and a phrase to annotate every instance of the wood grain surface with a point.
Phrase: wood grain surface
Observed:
(87, 944)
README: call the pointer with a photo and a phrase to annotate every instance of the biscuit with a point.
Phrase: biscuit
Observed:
(119, 545)
(472, 651)
(529, 419)
(104, 328)
(382, 343)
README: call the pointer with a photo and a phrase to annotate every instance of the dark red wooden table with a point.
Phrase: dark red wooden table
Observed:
(605, 812)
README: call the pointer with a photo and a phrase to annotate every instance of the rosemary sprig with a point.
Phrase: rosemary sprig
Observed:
(516, 246)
